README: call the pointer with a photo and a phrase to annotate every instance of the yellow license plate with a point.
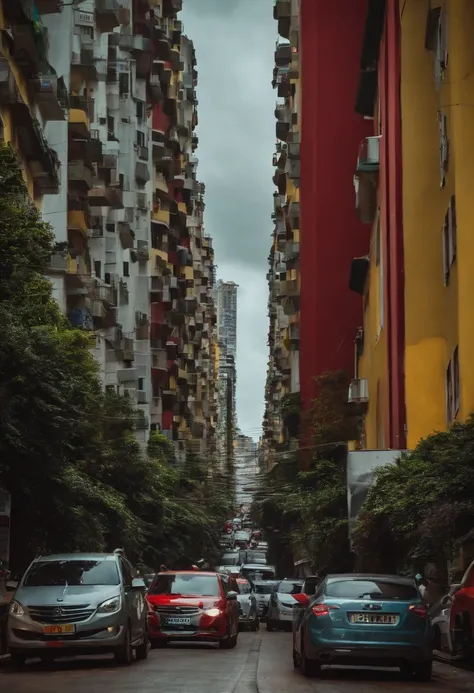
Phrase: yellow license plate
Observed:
(67, 629)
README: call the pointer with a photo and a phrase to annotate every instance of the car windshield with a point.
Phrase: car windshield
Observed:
(258, 573)
(378, 589)
(243, 587)
(72, 572)
(288, 587)
(230, 559)
(256, 556)
(263, 589)
(188, 585)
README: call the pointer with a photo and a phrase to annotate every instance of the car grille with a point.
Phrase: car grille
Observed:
(177, 610)
(60, 614)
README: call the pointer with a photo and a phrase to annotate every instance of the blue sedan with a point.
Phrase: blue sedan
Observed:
(372, 620)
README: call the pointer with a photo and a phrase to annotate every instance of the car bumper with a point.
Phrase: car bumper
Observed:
(212, 631)
(100, 632)
(366, 653)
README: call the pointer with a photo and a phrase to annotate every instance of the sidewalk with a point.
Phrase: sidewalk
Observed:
(275, 674)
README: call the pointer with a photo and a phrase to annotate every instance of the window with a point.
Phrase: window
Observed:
(97, 268)
(378, 589)
(443, 147)
(141, 111)
(124, 84)
(126, 269)
(453, 395)
(289, 587)
(187, 585)
(72, 572)
(141, 384)
(140, 138)
(436, 41)
(449, 239)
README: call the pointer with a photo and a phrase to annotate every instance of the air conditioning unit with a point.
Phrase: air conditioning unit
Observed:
(359, 391)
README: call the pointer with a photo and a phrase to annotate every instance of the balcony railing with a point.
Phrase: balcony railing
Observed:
(142, 202)
(143, 253)
(80, 174)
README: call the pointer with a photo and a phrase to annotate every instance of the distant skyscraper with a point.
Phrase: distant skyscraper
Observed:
(225, 298)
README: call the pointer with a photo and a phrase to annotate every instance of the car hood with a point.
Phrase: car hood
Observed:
(178, 600)
(71, 595)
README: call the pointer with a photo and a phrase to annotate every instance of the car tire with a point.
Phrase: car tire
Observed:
(123, 654)
(233, 641)
(296, 659)
(141, 652)
(17, 659)
(423, 671)
(255, 624)
(309, 667)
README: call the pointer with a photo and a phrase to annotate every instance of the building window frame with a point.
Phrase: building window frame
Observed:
(443, 147)
(449, 239)
(453, 391)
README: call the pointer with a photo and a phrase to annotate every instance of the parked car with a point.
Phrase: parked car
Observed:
(242, 539)
(462, 616)
(72, 604)
(228, 569)
(262, 546)
(231, 558)
(256, 572)
(263, 590)
(253, 556)
(282, 600)
(189, 605)
(248, 612)
(363, 619)
(226, 541)
(440, 614)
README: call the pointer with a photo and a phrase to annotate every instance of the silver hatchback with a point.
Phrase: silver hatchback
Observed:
(76, 604)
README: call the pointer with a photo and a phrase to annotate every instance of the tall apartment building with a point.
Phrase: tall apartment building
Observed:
(99, 99)
(246, 468)
(413, 173)
(313, 315)
(226, 305)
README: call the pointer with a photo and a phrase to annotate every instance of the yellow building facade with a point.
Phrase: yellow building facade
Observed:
(437, 98)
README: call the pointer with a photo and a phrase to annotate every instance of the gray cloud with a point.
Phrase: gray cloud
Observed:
(235, 41)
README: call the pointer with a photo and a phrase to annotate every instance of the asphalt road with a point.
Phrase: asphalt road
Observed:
(261, 663)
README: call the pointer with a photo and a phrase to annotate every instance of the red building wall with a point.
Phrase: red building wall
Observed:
(391, 211)
(331, 234)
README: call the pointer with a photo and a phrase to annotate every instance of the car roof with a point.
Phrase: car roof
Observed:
(188, 572)
(296, 581)
(77, 557)
(371, 576)
(266, 582)
(258, 566)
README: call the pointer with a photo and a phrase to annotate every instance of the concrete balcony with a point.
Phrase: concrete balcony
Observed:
(79, 176)
(142, 172)
(143, 252)
(283, 54)
(107, 14)
(161, 215)
(79, 123)
(58, 262)
(51, 96)
(126, 235)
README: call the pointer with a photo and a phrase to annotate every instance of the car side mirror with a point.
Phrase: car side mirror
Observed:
(139, 585)
(231, 596)
(302, 599)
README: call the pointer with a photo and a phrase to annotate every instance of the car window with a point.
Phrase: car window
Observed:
(230, 559)
(190, 585)
(126, 569)
(377, 588)
(72, 572)
(289, 587)
(243, 587)
(260, 573)
(263, 589)
(256, 556)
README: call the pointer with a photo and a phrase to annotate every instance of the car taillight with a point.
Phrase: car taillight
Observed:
(323, 609)
(418, 610)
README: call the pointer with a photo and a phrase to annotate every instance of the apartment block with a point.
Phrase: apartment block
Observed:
(413, 368)
(284, 259)
(106, 90)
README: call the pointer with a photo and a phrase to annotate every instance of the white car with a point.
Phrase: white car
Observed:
(248, 610)
(280, 607)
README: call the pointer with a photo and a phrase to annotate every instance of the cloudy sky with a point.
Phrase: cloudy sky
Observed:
(235, 43)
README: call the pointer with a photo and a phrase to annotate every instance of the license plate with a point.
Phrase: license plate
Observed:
(374, 619)
(178, 621)
(68, 629)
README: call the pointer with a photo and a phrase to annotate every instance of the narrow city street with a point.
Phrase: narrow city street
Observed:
(261, 663)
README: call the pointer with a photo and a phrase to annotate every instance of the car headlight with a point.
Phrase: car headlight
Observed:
(212, 612)
(110, 606)
(16, 609)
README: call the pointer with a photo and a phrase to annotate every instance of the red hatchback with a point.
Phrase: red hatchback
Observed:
(190, 605)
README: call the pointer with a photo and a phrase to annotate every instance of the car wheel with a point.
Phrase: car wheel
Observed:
(423, 671)
(233, 641)
(124, 654)
(141, 652)
(255, 624)
(309, 667)
(17, 660)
